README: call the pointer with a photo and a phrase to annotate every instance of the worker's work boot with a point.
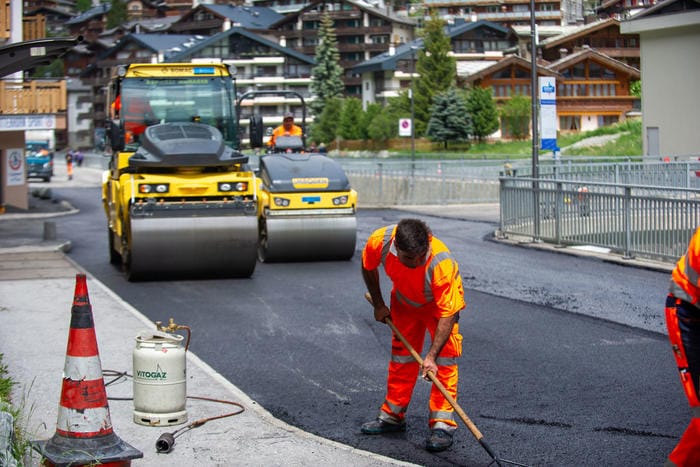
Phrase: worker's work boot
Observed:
(379, 426)
(439, 440)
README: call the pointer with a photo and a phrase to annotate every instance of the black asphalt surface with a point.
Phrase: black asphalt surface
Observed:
(549, 375)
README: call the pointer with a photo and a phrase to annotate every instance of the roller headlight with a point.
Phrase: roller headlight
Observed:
(340, 200)
(281, 202)
(233, 186)
(147, 188)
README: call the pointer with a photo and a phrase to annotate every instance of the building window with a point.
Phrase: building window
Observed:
(570, 123)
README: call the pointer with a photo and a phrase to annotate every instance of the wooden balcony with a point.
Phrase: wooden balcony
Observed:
(32, 97)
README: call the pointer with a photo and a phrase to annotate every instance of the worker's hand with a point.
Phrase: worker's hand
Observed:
(429, 366)
(381, 313)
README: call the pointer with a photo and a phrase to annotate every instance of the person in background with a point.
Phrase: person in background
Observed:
(78, 157)
(69, 164)
(683, 323)
(287, 128)
(427, 295)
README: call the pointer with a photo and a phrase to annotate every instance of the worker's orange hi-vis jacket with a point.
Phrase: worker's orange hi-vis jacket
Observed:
(437, 282)
(685, 280)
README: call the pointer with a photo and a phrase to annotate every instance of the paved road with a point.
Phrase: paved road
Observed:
(548, 375)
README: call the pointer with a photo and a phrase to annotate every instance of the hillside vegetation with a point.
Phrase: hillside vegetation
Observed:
(626, 141)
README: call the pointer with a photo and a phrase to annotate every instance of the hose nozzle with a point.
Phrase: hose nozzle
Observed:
(165, 443)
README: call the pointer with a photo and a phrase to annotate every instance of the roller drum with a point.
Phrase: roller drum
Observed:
(215, 245)
(309, 238)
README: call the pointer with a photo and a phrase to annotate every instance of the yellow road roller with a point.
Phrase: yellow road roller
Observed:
(306, 206)
(179, 196)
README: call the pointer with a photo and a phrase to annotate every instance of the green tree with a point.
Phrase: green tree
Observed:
(52, 70)
(516, 113)
(350, 119)
(436, 69)
(368, 115)
(325, 128)
(117, 14)
(449, 120)
(483, 111)
(384, 126)
(83, 5)
(327, 75)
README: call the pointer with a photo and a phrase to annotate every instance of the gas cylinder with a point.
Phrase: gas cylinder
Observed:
(160, 389)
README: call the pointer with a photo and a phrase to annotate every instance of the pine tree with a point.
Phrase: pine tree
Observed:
(449, 120)
(83, 5)
(350, 119)
(325, 128)
(327, 75)
(483, 111)
(117, 14)
(436, 70)
(516, 113)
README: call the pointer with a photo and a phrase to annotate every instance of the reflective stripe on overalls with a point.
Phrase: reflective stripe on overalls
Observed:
(412, 319)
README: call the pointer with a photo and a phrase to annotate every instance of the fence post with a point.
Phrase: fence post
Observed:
(379, 171)
(627, 213)
(558, 209)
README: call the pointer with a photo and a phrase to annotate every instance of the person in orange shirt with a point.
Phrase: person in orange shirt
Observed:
(287, 128)
(683, 323)
(427, 295)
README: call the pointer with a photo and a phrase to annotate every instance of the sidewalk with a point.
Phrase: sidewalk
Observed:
(37, 284)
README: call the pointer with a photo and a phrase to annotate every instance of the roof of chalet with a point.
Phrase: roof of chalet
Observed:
(186, 52)
(587, 52)
(31, 54)
(362, 5)
(503, 63)
(388, 60)
(668, 7)
(160, 43)
(250, 17)
(93, 12)
(57, 11)
(580, 31)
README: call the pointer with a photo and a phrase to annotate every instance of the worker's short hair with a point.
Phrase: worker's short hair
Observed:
(412, 236)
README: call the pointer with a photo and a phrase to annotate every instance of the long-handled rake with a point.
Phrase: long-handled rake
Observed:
(462, 414)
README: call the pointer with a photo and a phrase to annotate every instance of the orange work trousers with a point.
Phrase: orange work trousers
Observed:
(413, 323)
(683, 323)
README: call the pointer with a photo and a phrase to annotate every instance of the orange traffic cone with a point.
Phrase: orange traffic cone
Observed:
(84, 434)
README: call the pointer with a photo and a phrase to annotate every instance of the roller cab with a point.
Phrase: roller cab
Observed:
(307, 209)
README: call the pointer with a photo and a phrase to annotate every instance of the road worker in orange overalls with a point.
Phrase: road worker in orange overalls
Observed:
(427, 295)
(683, 322)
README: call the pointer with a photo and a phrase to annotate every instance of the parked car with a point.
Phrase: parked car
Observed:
(39, 161)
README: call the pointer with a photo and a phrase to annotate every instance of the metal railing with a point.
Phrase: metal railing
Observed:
(654, 222)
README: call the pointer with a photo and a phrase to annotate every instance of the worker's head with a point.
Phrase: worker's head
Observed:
(412, 241)
(288, 120)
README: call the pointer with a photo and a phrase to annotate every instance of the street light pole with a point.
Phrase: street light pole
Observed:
(413, 116)
(535, 137)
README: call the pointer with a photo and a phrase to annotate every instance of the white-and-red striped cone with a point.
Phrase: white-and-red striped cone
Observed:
(84, 434)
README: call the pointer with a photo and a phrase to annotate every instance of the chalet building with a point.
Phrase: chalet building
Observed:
(603, 36)
(45, 21)
(622, 9)
(261, 65)
(362, 32)
(593, 90)
(385, 75)
(211, 19)
(90, 23)
(669, 33)
(511, 12)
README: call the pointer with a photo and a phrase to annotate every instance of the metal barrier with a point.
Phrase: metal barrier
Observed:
(653, 222)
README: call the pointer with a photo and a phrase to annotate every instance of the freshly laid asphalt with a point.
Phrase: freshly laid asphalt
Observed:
(37, 284)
